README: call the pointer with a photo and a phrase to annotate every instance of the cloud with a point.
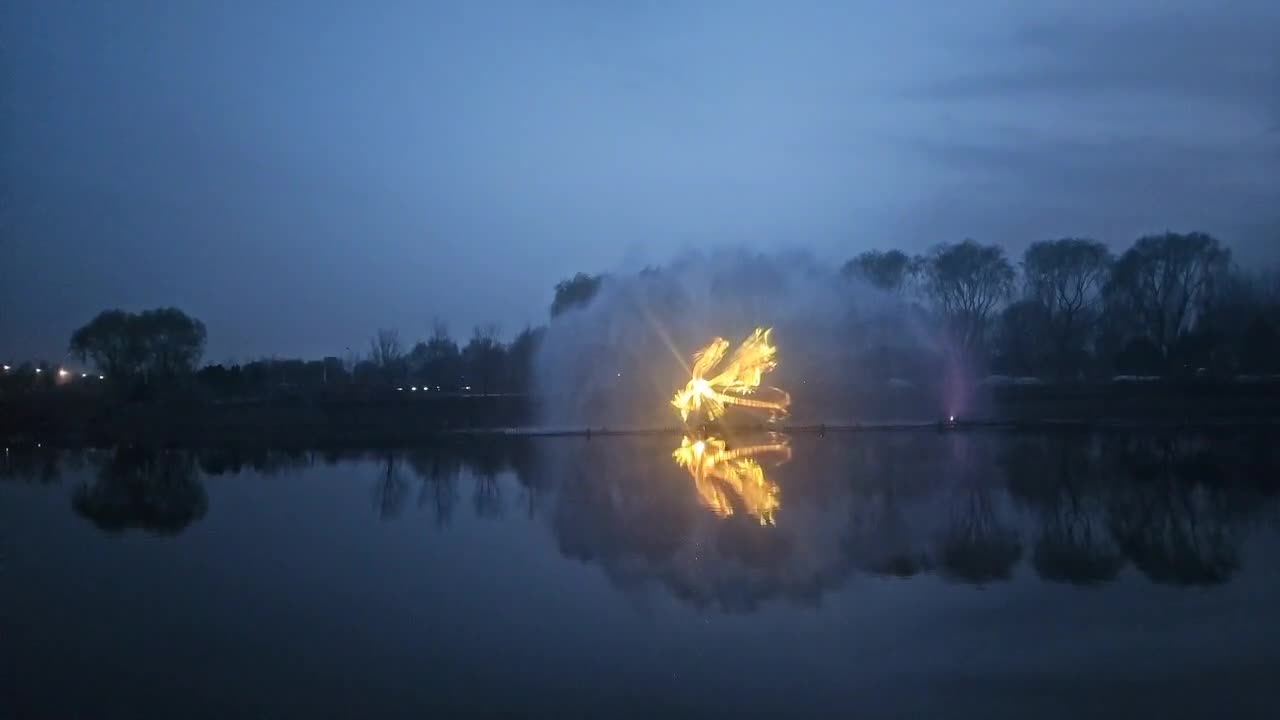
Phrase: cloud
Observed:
(1111, 123)
(1211, 56)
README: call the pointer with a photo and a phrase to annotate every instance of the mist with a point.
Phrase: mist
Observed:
(618, 360)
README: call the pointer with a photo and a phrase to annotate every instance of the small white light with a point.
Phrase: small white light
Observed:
(399, 389)
(951, 418)
(102, 377)
(413, 389)
(437, 387)
(7, 368)
(619, 374)
(466, 387)
(62, 373)
(84, 374)
(39, 370)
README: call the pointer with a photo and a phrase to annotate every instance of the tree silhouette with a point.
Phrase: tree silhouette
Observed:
(441, 361)
(1022, 339)
(966, 281)
(520, 358)
(386, 353)
(110, 342)
(892, 271)
(575, 292)
(484, 358)
(1066, 278)
(159, 343)
(172, 341)
(1164, 282)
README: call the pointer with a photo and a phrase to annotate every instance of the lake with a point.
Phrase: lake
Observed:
(895, 574)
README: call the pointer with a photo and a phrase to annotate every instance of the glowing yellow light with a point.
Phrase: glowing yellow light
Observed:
(739, 377)
(62, 373)
(722, 476)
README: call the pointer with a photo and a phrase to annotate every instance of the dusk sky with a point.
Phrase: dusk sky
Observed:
(298, 174)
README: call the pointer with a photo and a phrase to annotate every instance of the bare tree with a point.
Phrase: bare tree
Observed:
(484, 357)
(892, 271)
(1164, 282)
(1066, 278)
(385, 349)
(965, 281)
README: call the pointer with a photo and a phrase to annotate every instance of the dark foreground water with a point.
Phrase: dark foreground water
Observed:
(880, 575)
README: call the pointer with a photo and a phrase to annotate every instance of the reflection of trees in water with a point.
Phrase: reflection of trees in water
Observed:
(440, 466)
(1176, 517)
(881, 539)
(618, 509)
(1059, 479)
(40, 464)
(135, 488)
(488, 460)
(439, 474)
(628, 509)
(389, 489)
(1177, 508)
(265, 461)
(976, 546)
(487, 496)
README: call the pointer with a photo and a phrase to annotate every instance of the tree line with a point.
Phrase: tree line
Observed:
(1171, 304)
(164, 347)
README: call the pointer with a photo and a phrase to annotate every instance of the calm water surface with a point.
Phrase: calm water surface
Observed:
(911, 574)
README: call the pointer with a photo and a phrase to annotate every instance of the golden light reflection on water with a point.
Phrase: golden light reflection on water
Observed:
(730, 479)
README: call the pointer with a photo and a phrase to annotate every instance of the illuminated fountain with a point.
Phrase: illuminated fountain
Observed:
(723, 477)
(736, 384)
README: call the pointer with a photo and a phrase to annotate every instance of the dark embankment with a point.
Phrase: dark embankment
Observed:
(373, 418)
(322, 419)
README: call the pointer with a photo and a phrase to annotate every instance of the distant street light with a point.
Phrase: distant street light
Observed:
(62, 372)
(7, 368)
(39, 370)
(102, 377)
(84, 375)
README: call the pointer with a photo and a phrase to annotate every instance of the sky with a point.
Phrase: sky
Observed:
(298, 174)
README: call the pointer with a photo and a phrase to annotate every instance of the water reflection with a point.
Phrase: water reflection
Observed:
(144, 489)
(726, 477)
(977, 509)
